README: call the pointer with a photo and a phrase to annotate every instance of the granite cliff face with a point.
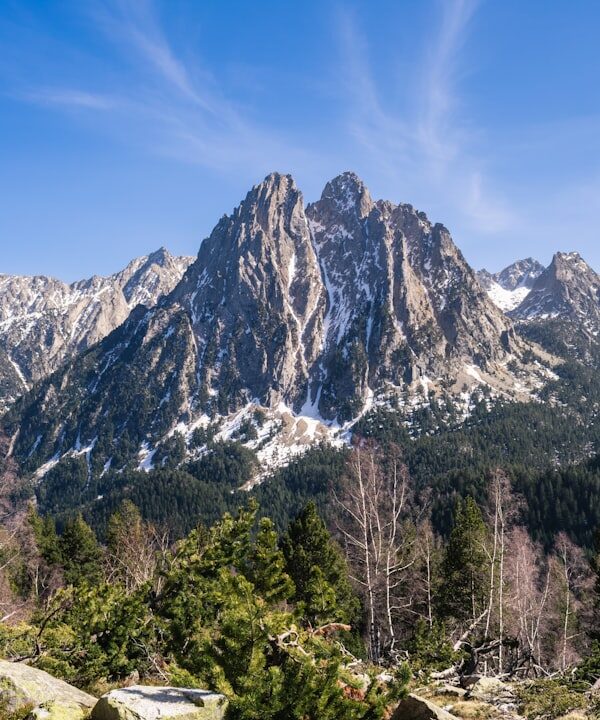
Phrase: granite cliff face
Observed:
(44, 321)
(321, 310)
(402, 303)
(256, 302)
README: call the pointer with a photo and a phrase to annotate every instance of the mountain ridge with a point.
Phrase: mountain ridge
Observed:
(509, 287)
(314, 313)
(43, 320)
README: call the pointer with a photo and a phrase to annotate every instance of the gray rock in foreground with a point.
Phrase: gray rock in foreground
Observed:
(22, 685)
(414, 707)
(151, 703)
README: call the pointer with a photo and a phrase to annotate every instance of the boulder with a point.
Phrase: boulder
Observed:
(140, 702)
(491, 690)
(450, 690)
(414, 707)
(50, 698)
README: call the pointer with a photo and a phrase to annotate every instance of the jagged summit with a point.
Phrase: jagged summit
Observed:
(509, 287)
(322, 310)
(522, 273)
(348, 193)
(569, 288)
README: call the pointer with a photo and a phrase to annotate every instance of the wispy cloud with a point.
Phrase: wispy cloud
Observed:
(179, 106)
(430, 141)
(71, 98)
(437, 131)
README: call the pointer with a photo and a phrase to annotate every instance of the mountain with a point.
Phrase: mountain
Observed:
(562, 310)
(304, 315)
(509, 287)
(43, 321)
(568, 289)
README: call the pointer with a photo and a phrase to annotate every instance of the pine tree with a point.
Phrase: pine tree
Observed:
(465, 566)
(80, 552)
(319, 571)
(267, 565)
(44, 530)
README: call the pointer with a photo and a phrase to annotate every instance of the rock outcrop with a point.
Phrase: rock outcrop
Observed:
(413, 707)
(48, 698)
(569, 289)
(159, 703)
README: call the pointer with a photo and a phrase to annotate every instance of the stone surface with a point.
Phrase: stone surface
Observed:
(451, 690)
(509, 287)
(414, 707)
(159, 703)
(53, 699)
(491, 690)
(568, 289)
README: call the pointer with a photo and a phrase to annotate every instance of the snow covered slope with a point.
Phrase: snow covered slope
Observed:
(508, 288)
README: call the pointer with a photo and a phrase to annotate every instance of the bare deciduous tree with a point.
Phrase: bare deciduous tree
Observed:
(134, 548)
(372, 507)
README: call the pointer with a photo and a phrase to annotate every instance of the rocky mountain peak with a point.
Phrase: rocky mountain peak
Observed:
(569, 288)
(347, 193)
(565, 265)
(255, 300)
(509, 287)
(522, 273)
(320, 310)
(44, 321)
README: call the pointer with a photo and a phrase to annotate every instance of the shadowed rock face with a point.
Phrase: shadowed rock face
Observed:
(520, 274)
(319, 308)
(256, 301)
(402, 301)
(44, 321)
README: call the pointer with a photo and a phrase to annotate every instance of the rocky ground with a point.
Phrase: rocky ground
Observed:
(491, 699)
(27, 693)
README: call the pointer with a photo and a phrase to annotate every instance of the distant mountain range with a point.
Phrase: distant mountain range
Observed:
(568, 289)
(303, 316)
(44, 321)
(510, 287)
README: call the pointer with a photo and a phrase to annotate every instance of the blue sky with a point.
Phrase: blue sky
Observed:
(130, 124)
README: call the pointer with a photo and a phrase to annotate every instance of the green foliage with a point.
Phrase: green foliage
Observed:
(429, 648)
(317, 567)
(224, 625)
(267, 565)
(313, 476)
(220, 614)
(589, 669)
(80, 553)
(44, 531)
(463, 592)
(228, 464)
(98, 631)
(549, 699)
(171, 452)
